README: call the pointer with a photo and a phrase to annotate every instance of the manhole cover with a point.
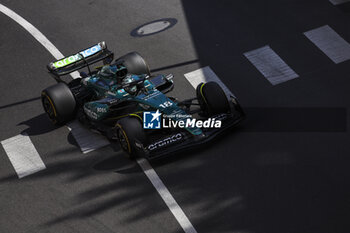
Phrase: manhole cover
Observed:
(153, 27)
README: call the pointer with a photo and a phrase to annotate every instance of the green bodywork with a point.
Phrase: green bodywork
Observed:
(107, 90)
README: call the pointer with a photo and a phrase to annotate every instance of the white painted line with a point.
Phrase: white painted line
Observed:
(23, 155)
(36, 34)
(166, 196)
(338, 2)
(87, 140)
(330, 43)
(274, 69)
(204, 75)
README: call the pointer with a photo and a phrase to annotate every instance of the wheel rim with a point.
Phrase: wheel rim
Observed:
(49, 109)
(122, 140)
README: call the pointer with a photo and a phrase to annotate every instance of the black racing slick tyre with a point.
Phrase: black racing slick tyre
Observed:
(134, 63)
(131, 136)
(59, 103)
(212, 99)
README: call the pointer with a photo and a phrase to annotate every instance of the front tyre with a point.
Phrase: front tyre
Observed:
(131, 136)
(212, 99)
(59, 103)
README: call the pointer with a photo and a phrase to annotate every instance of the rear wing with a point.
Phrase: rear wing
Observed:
(79, 60)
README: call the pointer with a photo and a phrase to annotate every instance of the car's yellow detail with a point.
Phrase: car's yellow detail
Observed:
(135, 115)
(201, 91)
(132, 114)
(53, 106)
(125, 136)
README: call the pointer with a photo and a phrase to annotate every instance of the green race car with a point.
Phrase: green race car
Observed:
(124, 102)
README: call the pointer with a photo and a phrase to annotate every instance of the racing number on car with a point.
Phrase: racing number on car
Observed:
(166, 104)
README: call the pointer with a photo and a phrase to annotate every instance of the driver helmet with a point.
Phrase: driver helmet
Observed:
(128, 79)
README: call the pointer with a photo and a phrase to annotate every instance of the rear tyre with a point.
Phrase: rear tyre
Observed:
(135, 64)
(212, 99)
(59, 103)
(131, 136)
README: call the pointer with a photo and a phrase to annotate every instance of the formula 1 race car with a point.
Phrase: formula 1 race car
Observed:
(123, 101)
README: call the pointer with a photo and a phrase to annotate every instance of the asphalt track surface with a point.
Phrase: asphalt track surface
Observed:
(277, 172)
